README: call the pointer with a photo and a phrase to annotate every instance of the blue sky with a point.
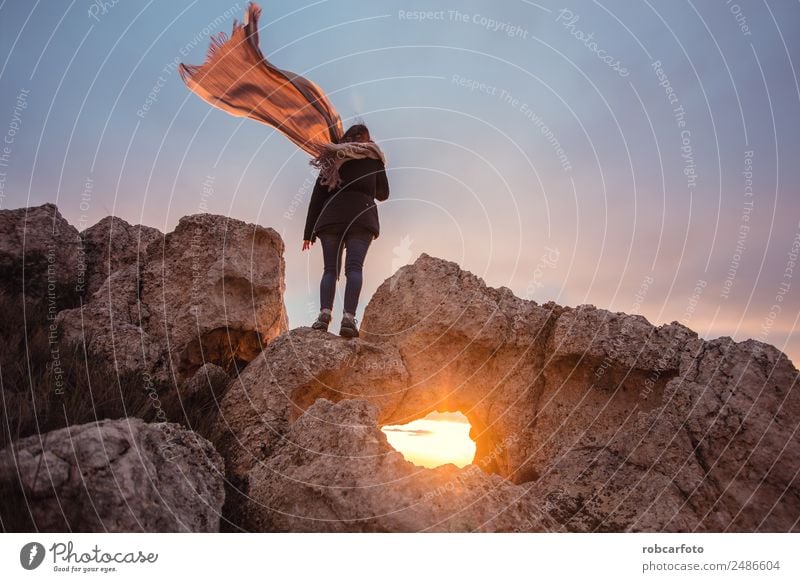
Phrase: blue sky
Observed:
(533, 143)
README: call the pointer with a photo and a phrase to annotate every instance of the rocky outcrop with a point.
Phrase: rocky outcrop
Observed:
(210, 291)
(40, 243)
(335, 472)
(215, 291)
(294, 370)
(111, 245)
(112, 326)
(618, 424)
(608, 422)
(116, 476)
(584, 419)
(469, 348)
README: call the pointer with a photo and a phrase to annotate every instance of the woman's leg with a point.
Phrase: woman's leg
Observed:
(357, 246)
(332, 258)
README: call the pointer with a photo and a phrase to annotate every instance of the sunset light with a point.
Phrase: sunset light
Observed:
(437, 439)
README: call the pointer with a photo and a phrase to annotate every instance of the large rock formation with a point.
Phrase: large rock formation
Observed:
(584, 419)
(183, 309)
(215, 291)
(620, 424)
(210, 291)
(118, 476)
(608, 422)
(39, 243)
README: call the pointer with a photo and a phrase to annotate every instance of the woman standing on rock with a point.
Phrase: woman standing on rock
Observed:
(238, 79)
(345, 217)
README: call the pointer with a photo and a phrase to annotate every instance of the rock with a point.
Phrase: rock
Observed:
(214, 289)
(719, 454)
(41, 242)
(294, 370)
(210, 291)
(209, 380)
(467, 348)
(584, 419)
(118, 476)
(617, 424)
(111, 245)
(608, 422)
(112, 326)
(336, 472)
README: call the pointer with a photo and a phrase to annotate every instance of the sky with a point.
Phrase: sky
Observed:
(640, 157)
(437, 439)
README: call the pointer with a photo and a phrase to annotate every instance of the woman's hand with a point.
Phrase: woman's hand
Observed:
(307, 245)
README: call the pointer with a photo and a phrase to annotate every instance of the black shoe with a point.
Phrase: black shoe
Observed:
(323, 319)
(348, 328)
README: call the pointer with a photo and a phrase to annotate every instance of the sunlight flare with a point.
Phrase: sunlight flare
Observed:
(437, 439)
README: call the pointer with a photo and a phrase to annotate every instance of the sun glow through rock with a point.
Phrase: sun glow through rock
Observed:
(437, 439)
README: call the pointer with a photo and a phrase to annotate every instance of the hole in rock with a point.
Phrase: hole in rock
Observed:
(437, 439)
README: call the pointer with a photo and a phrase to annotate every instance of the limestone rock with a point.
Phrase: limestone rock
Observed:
(210, 291)
(40, 241)
(335, 472)
(584, 419)
(719, 454)
(293, 371)
(118, 476)
(614, 423)
(111, 245)
(595, 421)
(214, 289)
(467, 348)
(112, 326)
(209, 380)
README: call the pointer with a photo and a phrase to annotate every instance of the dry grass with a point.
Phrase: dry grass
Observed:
(34, 398)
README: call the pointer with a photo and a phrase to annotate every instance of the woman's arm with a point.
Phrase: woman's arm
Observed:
(381, 183)
(318, 197)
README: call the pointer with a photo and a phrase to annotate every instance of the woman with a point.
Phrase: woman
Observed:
(346, 217)
(236, 78)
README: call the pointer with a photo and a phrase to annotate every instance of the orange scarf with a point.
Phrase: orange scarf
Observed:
(238, 79)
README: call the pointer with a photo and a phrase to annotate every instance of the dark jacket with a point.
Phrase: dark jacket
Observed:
(352, 204)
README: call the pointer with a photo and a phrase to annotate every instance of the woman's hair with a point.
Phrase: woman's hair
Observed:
(354, 131)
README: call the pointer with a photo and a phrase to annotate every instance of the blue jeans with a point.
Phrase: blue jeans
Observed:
(357, 244)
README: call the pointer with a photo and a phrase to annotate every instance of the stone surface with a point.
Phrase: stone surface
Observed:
(113, 326)
(335, 472)
(215, 289)
(584, 419)
(40, 241)
(210, 380)
(469, 348)
(294, 370)
(117, 476)
(616, 423)
(210, 291)
(111, 245)
(608, 422)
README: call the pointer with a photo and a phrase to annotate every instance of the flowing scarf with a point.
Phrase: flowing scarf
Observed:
(237, 78)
